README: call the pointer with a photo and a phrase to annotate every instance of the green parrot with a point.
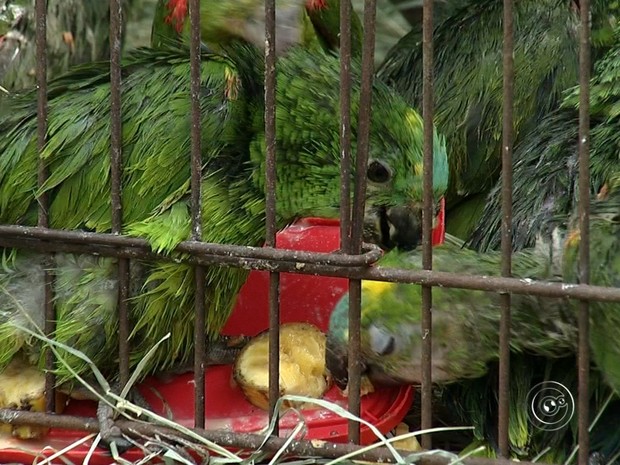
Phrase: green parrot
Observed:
(605, 260)
(313, 23)
(465, 354)
(546, 163)
(465, 346)
(465, 322)
(468, 76)
(549, 152)
(156, 147)
(548, 440)
(77, 32)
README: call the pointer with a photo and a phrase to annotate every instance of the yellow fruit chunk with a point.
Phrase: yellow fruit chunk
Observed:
(302, 364)
(22, 387)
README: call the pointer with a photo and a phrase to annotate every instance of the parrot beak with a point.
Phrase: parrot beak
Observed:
(401, 226)
(404, 227)
(391, 227)
(337, 362)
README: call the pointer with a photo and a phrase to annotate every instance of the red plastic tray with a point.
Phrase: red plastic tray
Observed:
(303, 298)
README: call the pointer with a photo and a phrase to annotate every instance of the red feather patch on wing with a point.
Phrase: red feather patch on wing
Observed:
(316, 4)
(177, 14)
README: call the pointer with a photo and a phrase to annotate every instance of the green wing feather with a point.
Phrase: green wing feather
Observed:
(546, 161)
(468, 82)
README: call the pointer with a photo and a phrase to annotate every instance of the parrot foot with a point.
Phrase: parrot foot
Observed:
(222, 351)
(225, 349)
(109, 432)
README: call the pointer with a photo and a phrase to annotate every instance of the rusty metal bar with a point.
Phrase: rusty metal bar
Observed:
(195, 182)
(123, 324)
(247, 441)
(345, 126)
(200, 347)
(363, 139)
(584, 230)
(274, 343)
(41, 77)
(115, 114)
(49, 329)
(116, 28)
(426, 419)
(270, 204)
(324, 264)
(506, 239)
(345, 198)
(43, 199)
(357, 214)
(345, 205)
(354, 365)
(195, 156)
(23, 233)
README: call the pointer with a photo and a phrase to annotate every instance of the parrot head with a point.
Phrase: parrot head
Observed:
(391, 339)
(464, 323)
(394, 173)
(309, 154)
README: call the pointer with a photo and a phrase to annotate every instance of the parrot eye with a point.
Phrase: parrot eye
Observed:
(378, 172)
(389, 346)
(381, 341)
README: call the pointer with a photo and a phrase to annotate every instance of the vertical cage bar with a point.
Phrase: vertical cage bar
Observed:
(270, 203)
(345, 176)
(274, 343)
(115, 113)
(506, 238)
(363, 138)
(584, 228)
(345, 202)
(50, 327)
(426, 420)
(43, 199)
(116, 28)
(41, 77)
(196, 172)
(345, 126)
(357, 219)
(354, 366)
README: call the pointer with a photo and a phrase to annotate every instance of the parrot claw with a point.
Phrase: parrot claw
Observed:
(223, 351)
(111, 435)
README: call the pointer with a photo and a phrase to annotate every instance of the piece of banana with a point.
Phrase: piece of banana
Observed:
(302, 364)
(22, 387)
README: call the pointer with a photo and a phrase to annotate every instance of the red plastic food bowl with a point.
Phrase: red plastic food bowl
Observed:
(303, 298)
